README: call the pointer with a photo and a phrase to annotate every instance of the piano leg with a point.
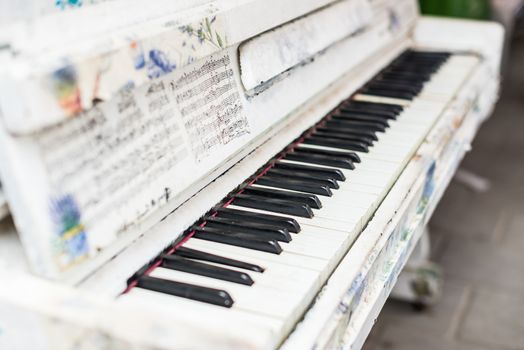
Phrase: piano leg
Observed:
(420, 282)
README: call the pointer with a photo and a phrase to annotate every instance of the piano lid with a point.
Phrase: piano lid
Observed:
(130, 118)
(268, 55)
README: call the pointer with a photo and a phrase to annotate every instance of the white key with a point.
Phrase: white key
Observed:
(331, 208)
(313, 241)
(316, 221)
(445, 83)
(347, 173)
(275, 275)
(263, 259)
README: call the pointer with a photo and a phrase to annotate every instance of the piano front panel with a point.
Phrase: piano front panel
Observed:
(107, 175)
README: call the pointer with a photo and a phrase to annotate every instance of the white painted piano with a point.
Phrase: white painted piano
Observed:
(248, 174)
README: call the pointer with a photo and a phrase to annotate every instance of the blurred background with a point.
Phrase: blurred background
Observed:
(477, 231)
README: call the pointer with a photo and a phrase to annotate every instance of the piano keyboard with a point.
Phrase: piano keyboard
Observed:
(258, 259)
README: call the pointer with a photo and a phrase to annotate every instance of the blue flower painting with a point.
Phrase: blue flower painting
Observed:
(159, 64)
(68, 3)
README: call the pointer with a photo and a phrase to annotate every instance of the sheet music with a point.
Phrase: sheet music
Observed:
(210, 106)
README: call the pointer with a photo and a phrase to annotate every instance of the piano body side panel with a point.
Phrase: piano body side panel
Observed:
(450, 141)
(376, 259)
(482, 96)
(25, 187)
(485, 38)
(12, 254)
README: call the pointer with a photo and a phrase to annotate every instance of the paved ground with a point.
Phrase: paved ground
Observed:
(478, 238)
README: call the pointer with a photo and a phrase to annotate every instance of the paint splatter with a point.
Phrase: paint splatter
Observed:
(62, 4)
(65, 86)
(139, 60)
(70, 243)
(394, 20)
(158, 64)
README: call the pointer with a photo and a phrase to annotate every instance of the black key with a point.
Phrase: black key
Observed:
(239, 240)
(384, 80)
(288, 183)
(350, 155)
(419, 76)
(339, 162)
(398, 86)
(377, 113)
(429, 54)
(303, 198)
(179, 263)
(362, 118)
(415, 60)
(419, 84)
(387, 93)
(369, 126)
(421, 59)
(341, 126)
(364, 105)
(409, 81)
(248, 228)
(203, 256)
(418, 53)
(416, 65)
(420, 63)
(405, 76)
(410, 71)
(321, 171)
(289, 223)
(274, 205)
(318, 180)
(341, 135)
(391, 93)
(336, 143)
(185, 290)
(413, 68)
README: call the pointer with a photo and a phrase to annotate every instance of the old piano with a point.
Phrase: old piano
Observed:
(225, 174)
